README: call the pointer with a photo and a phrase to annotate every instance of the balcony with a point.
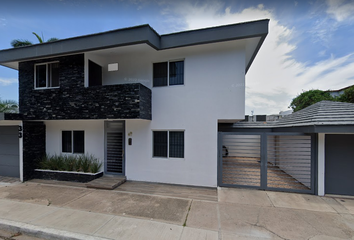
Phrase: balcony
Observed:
(123, 101)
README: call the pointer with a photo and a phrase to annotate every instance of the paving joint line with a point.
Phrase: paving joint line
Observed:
(219, 222)
(163, 196)
(103, 225)
(189, 209)
(73, 200)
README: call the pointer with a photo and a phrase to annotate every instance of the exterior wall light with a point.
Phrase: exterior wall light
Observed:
(112, 67)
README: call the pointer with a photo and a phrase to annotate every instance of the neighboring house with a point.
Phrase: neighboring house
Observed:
(309, 151)
(147, 105)
(336, 93)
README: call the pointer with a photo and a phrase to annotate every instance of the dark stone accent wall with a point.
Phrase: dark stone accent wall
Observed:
(73, 101)
(12, 116)
(145, 103)
(65, 176)
(34, 147)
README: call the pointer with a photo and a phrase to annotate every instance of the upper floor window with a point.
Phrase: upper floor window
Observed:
(46, 75)
(168, 73)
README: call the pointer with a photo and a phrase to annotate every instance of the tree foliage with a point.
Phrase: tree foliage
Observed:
(308, 98)
(8, 106)
(20, 42)
(347, 96)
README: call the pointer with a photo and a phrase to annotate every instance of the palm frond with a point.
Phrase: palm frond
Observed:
(20, 43)
(52, 39)
(8, 106)
(40, 40)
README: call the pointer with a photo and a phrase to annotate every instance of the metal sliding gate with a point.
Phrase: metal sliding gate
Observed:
(270, 161)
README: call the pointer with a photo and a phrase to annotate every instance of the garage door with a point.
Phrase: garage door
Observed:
(9, 152)
(339, 164)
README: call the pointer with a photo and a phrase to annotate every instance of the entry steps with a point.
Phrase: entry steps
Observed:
(107, 182)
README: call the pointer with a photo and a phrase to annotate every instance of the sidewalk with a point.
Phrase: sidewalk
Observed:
(64, 212)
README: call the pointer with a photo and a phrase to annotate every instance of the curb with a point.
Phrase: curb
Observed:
(44, 232)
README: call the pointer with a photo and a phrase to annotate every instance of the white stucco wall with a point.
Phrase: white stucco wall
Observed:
(94, 135)
(214, 89)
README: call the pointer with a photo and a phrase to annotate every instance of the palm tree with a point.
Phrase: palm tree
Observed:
(8, 106)
(20, 42)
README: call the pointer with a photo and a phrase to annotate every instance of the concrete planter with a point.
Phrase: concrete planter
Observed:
(66, 176)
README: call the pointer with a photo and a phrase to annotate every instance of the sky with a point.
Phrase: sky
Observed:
(309, 45)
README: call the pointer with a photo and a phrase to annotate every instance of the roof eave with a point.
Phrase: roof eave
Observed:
(138, 35)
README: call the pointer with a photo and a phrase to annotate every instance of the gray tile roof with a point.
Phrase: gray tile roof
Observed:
(321, 113)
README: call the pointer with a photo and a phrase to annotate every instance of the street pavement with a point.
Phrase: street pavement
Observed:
(54, 211)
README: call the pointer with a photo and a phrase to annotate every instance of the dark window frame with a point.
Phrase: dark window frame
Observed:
(168, 73)
(72, 149)
(168, 144)
(48, 75)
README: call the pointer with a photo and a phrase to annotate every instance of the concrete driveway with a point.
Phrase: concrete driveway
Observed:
(157, 211)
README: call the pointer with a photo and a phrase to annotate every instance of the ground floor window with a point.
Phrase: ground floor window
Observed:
(168, 144)
(73, 141)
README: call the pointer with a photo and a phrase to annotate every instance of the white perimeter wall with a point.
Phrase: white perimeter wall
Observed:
(94, 135)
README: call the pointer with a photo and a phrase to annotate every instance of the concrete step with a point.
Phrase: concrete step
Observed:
(107, 182)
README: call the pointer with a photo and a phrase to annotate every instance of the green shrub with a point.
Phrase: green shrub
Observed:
(95, 165)
(69, 163)
(85, 162)
(78, 163)
(44, 163)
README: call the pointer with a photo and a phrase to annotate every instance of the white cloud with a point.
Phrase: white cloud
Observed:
(340, 9)
(3, 22)
(275, 77)
(7, 81)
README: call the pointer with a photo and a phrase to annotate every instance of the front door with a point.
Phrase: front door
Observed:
(114, 147)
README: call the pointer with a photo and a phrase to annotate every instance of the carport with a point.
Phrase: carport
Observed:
(310, 151)
(267, 160)
(10, 146)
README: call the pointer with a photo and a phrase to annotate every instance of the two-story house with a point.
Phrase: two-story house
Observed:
(146, 105)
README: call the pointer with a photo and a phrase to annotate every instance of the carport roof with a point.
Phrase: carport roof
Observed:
(324, 113)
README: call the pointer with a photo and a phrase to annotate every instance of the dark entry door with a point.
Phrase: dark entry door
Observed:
(114, 149)
(339, 164)
(9, 152)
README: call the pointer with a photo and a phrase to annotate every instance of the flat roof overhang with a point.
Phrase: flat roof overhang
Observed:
(339, 128)
(138, 35)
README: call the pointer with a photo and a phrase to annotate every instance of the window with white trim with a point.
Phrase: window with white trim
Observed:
(168, 144)
(168, 73)
(46, 75)
(73, 142)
